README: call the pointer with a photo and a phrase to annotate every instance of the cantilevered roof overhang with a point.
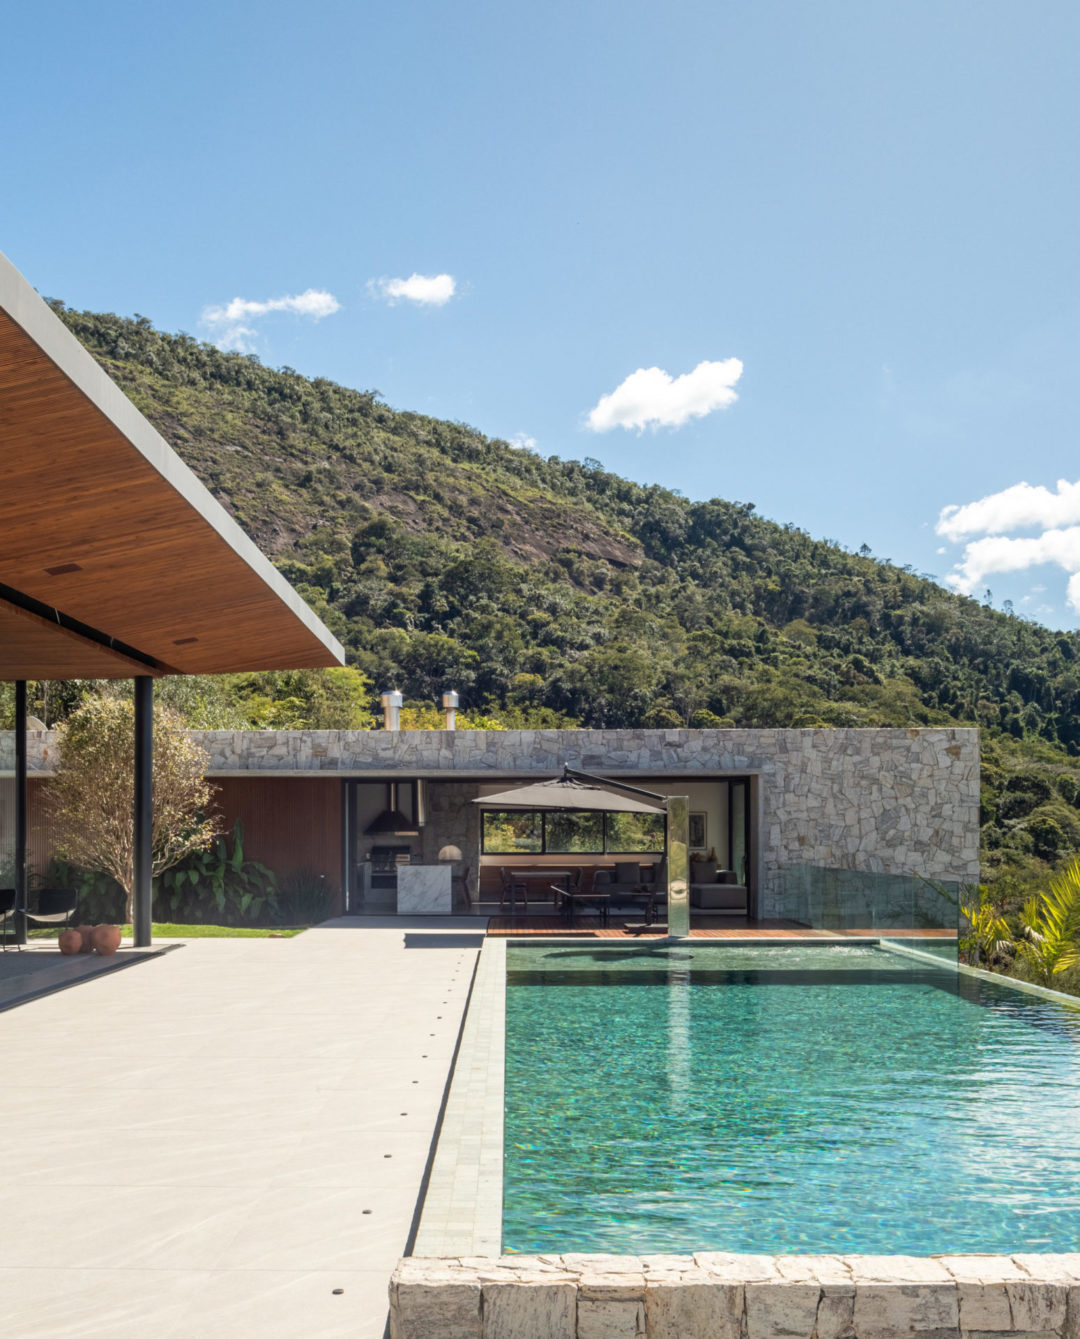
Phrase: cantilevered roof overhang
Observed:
(114, 559)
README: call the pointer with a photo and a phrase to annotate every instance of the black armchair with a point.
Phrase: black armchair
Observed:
(7, 913)
(55, 906)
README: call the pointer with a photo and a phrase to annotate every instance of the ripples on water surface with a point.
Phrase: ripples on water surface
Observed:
(784, 1099)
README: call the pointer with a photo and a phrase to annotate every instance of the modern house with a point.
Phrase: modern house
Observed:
(116, 562)
(830, 828)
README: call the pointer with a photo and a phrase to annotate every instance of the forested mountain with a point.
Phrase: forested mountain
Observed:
(555, 592)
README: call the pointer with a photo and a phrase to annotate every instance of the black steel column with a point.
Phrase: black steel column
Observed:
(20, 812)
(142, 893)
(346, 846)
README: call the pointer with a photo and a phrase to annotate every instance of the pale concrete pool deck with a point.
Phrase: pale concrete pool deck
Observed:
(190, 1146)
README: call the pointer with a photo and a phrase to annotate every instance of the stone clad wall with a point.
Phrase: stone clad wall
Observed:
(884, 802)
(723, 1296)
(890, 802)
(452, 820)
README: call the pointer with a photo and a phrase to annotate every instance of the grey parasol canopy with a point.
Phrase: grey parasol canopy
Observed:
(577, 790)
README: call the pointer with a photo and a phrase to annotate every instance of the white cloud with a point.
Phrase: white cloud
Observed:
(230, 323)
(999, 553)
(1016, 508)
(426, 290)
(1022, 507)
(523, 441)
(650, 397)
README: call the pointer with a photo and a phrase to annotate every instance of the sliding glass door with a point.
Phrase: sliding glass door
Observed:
(739, 829)
(733, 844)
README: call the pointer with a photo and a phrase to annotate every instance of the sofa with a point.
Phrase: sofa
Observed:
(714, 889)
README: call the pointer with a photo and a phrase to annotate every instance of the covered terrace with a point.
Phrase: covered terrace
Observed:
(115, 561)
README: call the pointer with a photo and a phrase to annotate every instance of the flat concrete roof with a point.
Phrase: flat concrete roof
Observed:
(109, 540)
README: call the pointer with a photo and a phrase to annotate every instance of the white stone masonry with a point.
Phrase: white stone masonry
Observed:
(722, 1296)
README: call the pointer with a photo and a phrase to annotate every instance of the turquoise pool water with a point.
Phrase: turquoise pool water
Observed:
(784, 1099)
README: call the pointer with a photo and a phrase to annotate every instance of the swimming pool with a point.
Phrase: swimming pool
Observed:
(802, 1098)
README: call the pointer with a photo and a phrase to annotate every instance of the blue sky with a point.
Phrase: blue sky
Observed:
(871, 206)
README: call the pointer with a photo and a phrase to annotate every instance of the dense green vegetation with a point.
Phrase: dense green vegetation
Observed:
(554, 592)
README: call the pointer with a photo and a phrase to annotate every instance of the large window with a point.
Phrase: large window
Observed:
(571, 832)
(513, 831)
(578, 832)
(629, 834)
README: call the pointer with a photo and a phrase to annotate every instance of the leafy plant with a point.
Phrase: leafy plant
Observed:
(219, 880)
(304, 898)
(1050, 923)
(987, 930)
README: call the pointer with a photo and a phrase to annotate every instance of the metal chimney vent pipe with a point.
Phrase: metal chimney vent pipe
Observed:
(450, 703)
(391, 705)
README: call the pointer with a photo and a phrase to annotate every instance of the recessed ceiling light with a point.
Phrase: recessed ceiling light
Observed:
(62, 569)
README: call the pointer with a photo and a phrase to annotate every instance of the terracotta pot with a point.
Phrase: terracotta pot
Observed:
(70, 941)
(105, 939)
(85, 931)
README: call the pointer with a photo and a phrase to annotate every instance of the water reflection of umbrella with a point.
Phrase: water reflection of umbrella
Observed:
(578, 790)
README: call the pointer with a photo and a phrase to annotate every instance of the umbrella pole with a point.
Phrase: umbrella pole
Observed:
(678, 866)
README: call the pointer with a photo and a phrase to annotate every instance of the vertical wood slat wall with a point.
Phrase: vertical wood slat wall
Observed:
(39, 845)
(289, 822)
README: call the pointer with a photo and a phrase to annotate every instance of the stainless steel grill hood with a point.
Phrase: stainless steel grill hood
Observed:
(392, 821)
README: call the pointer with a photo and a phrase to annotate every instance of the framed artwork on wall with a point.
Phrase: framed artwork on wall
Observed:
(697, 832)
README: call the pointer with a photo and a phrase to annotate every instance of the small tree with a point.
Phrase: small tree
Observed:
(91, 794)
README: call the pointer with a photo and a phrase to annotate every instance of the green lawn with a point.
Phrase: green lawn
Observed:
(167, 930)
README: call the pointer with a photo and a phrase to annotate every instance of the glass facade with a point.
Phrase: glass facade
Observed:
(565, 832)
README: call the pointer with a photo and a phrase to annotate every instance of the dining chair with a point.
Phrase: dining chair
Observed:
(459, 883)
(512, 889)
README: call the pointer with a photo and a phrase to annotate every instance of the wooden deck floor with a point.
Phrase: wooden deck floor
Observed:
(735, 927)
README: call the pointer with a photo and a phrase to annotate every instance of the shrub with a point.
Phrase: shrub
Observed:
(304, 898)
(1048, 840)
(218, 885)
(1017, 804)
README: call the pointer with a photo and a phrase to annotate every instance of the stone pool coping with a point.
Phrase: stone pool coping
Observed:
(718, 1295)
(463, 1206)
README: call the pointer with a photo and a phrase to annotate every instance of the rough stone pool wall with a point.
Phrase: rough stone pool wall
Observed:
(721, 1296)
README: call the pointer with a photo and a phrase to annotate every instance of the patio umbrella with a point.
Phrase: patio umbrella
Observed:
(581, 790)
(577, 790)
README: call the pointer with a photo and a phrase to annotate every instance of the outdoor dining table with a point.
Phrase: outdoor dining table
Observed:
(572, 897)
(539, 872)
